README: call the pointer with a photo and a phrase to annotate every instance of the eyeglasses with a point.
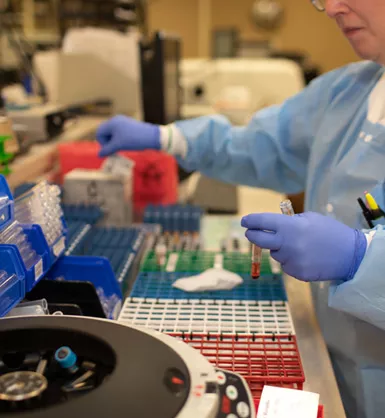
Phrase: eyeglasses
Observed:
(319, 5)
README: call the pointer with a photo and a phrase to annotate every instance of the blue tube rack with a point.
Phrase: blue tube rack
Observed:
(21, 280)
(119, 245)
(158, 285)
(174, 218)
(89, 214)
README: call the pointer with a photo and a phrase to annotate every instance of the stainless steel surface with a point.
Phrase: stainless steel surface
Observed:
(315, 359)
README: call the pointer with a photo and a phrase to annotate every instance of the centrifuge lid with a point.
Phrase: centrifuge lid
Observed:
(137, 386)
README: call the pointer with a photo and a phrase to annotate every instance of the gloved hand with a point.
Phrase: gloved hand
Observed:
(309, 246)
(124, 133)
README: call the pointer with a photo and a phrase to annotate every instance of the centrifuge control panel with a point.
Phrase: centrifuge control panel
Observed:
(235, 397)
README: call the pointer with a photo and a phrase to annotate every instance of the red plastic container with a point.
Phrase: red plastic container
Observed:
(155, 173)
(320, 409)
(260, 359)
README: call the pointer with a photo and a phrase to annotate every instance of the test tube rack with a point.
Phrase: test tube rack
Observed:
(174, 218)
(260, 359)
(199, 261)
(19, 277)
(159, 285)
(121, 246)
(225, 317)
(248, 329)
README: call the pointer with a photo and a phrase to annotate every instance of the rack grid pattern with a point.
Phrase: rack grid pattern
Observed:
(203, 316)
(198, 261)
(260, 359)
(159, 285)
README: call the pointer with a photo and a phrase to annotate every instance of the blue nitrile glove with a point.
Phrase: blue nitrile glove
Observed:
(124, 133)
(310, 246)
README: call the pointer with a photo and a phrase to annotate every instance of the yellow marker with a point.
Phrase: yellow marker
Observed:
(371, 202)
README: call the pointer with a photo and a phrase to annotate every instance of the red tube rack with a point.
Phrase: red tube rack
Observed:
(261, 359)
(320, 409)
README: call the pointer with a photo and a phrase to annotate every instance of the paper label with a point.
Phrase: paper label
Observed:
(287, 403)
(172, 262)
(59, 247)
(38, 270)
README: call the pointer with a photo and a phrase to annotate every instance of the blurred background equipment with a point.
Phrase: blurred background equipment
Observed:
(267, 14)
(161, 90)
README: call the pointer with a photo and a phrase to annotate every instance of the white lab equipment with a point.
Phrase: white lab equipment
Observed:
(268, 81)
(93, 64)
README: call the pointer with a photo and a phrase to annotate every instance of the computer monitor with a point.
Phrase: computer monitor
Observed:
(161, 90)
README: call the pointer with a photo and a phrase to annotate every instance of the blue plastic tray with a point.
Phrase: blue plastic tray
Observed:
(96, 270)
(116, 244)
(12, 290)
(159, 285)
(22, 280)
(39, 244)
(7, 211)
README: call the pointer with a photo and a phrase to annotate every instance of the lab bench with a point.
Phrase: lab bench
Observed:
(316, 363)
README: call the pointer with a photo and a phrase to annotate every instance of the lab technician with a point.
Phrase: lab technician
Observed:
(329, 140)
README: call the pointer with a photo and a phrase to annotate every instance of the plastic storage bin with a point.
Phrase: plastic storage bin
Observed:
(96, 270)
(12, 279)
(25, 254)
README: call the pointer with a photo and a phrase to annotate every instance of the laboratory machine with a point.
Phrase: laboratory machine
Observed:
(47, 368)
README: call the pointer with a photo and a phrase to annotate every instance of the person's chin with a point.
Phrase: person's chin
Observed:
(364, 52)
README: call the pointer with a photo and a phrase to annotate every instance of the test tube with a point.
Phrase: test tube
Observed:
(286, 207)
(66, 359)
(256, 258)
(41, 303)
(41, 205)
(15, 235)
(161, 252)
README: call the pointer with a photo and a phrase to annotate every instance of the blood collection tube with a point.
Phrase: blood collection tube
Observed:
(286, 207)
(161, 252)
(256, 258)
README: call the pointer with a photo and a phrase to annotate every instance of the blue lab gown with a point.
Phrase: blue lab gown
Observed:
(329, 140)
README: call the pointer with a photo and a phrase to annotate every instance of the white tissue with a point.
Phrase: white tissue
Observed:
(211, 279)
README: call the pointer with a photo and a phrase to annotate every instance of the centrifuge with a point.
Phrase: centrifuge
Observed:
(62, 366)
